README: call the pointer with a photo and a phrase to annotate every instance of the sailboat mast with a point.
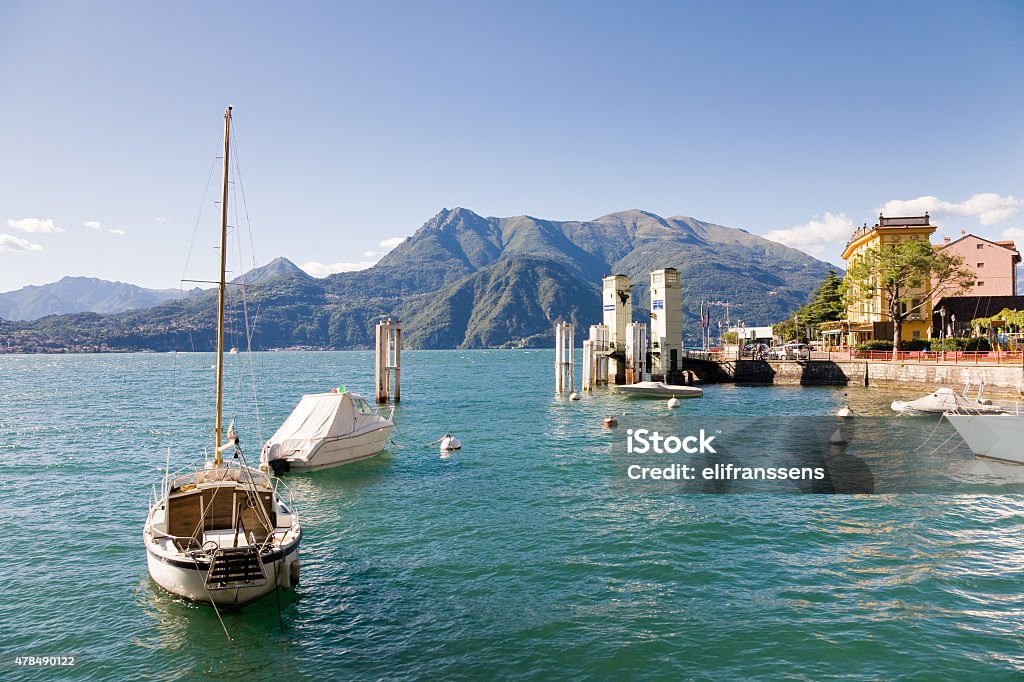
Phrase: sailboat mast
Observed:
(218, 425)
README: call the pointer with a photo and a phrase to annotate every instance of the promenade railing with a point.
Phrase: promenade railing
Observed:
(955, 357)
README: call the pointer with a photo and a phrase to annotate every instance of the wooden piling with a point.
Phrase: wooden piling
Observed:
(388, 359)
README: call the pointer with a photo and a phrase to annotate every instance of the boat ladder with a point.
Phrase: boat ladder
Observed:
(234, 567)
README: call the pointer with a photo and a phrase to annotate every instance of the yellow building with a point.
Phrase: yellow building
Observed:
(867, 317)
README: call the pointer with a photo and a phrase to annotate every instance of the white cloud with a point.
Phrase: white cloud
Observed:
(33, 225)
(815, 235)
(8, 242)
(369, 254)
(1015, 233)
(162, 219)
(117, 231)
(322, 270)
(392, 243)
(989, 207)
(94, 224)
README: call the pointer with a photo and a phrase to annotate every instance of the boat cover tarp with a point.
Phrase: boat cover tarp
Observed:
(944, 400)
(316, 417)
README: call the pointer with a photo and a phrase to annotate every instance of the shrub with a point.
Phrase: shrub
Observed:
(876, 344)
(956, 343)
(916, 344)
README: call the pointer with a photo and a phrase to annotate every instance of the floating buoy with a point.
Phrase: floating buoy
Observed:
(845, 410)
(449, 443)
(610, 421)
(837, 437)
(673, 402)
(574, 396)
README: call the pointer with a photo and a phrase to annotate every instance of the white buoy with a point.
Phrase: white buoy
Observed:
(837, 437)
(449, 443)
(845, 410)
(673, 402)
(574, 396)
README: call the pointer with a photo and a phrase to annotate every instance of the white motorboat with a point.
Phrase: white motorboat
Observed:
(945, 400)
(222, 533)
(658, 389)
(997, 436)
(326, 430)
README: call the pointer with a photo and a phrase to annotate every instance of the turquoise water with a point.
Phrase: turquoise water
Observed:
(519, 556)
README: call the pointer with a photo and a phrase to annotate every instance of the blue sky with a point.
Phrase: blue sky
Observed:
(356, 122)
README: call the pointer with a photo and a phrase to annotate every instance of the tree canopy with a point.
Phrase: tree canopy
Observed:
(827, 305)
(908, 275)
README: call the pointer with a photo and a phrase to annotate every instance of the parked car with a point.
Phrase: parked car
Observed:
(776, 353)
(797, 351)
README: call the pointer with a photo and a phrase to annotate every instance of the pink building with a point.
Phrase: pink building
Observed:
(994, 264)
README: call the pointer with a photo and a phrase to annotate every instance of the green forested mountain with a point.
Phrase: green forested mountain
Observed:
(463, 280)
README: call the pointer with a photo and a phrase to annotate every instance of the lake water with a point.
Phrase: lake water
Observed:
(524, 555)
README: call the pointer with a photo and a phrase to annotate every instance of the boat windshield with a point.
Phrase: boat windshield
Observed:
(362, 407)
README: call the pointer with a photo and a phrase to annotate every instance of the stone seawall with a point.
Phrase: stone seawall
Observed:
(997, 378)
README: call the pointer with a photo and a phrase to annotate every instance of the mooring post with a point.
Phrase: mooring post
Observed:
(565, 368)
(588, 365)
(389, 339)
(379, 365)
(398, 361)
(558, 357)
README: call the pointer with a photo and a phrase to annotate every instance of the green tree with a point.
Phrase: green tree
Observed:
(828, 304)
(908, 275)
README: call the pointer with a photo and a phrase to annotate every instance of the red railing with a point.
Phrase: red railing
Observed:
(955, 357)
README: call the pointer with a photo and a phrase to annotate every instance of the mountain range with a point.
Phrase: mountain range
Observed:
(79, 294)
(466, 281)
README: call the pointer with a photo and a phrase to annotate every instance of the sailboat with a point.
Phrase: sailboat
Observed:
(222, 533)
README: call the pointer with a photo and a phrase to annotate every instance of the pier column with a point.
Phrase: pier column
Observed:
(636, 352)
(565, 369)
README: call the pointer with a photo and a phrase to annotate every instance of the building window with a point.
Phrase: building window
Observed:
(981, 246)
(917, 335)
(981, 284)
(980, 265)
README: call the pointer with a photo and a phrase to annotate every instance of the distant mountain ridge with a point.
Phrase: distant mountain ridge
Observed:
(79, 294)
(466, 281)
